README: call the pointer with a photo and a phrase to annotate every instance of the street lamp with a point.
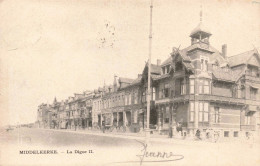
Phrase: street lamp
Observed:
(147, 135)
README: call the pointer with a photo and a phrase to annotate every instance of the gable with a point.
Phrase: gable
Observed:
(177, 58)
(254, 60)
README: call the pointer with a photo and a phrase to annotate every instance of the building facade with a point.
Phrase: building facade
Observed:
(196, 88)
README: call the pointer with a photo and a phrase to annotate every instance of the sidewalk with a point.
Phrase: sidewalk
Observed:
(141, 136)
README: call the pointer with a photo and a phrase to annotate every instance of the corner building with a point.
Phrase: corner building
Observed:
(201, 88)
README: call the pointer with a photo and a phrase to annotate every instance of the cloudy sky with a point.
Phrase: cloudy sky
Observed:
(60, 47)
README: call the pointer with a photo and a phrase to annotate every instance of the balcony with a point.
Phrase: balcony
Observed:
(221, 99)
(252, 102)
(178, 98)
(247, 127)
(211, 98)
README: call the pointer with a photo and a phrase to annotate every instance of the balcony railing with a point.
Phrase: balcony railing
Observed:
(248, 127)
(221, 99)
(203, 97)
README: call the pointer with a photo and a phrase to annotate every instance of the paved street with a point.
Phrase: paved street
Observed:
(112, 148)
(62, 138)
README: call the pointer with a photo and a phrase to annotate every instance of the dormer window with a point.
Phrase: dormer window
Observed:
(166, 69)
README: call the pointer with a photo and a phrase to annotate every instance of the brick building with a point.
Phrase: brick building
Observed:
(201, 88)
(197, 87)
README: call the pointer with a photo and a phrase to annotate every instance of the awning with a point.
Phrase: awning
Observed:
(254, 85)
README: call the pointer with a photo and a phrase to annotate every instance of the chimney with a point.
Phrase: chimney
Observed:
(158, 62)
(224, 51)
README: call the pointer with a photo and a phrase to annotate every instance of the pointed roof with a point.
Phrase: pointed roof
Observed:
(167, 61)
(242, 58)
(155, 69)
(200, 29)
(226, 74)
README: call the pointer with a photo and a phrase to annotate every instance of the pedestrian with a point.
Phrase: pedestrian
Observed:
(170, 132)
(103, 126)
(198, 134)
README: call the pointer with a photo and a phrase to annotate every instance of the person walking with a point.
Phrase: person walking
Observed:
(103, 126)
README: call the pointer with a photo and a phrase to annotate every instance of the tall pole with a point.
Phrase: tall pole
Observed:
(149, 76)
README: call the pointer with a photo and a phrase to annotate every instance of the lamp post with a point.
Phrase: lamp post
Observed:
(147, 134)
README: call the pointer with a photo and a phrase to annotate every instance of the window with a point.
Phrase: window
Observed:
(200, 112)
(247, 119)
(135, 117)
(191, 111)
(192, 86)
(204, 63)
(136, 97)
(144, 96)
(206, 87)
(130, 97)
(243, 92)
(226, 133)
(206, 112)
(253, 92)
(182, 87)
(163, 70)
(216, 113)
(203, 111)
(126, 100)
(166, 90)
(168, 68)
(201, 87)
(160, 93)
(235, 133)
(153, 93)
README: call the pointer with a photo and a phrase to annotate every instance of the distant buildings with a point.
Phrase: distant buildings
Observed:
(197, 87)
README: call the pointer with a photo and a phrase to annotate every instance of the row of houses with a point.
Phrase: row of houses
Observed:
(197, 87)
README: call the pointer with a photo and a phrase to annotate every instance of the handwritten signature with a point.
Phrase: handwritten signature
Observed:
(153, 156)
(162, 156)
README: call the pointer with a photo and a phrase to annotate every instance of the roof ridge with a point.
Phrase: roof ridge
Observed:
(241, 53)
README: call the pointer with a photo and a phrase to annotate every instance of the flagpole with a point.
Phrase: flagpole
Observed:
(149, 78)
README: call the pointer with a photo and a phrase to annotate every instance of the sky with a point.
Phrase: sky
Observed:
(57, 48)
